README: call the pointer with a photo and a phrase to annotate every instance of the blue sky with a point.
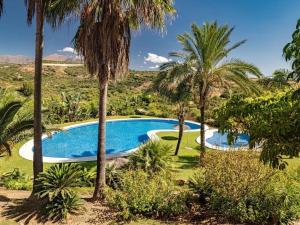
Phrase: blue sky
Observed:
(266, 24)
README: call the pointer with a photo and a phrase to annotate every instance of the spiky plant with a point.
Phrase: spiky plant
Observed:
(12, 123)
(152, 157)
(59, 180)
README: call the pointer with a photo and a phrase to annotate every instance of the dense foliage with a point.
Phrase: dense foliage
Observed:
(237, 185)
(13, 121)
(272, 122)
(291, 52)
(152, 157)
(142, 194)
(16, 180)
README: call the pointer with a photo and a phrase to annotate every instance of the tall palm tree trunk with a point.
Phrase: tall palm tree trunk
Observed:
(181, 124)
(37, 155)
(202, 128)
(100, 178)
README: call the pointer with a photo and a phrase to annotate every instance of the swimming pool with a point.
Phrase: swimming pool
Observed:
(79, 142)
(217, 140)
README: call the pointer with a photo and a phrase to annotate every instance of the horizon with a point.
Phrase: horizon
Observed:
(267, 26)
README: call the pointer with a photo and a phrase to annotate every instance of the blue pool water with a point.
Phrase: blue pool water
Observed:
(121, 136)
(220, 140)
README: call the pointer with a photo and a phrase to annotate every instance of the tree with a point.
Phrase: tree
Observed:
(272, 122)
(204, 59)
(103, 39)
(12, 123)
(1, 7)
(291, 53)
(55, 12)
(177, 93)
(279, 79)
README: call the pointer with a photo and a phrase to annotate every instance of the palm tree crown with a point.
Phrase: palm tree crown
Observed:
(103, 37)
(204, 60)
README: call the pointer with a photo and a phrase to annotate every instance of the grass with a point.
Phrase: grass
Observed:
(184, 164)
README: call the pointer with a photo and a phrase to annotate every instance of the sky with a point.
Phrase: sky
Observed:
(267, 26)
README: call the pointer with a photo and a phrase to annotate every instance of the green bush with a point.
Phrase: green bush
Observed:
(87, 177)
(152, 157)
(239, 186)
(16, 180)
(57, 185)
(112, 175)
(142, 194)
(26, 89)
(60, 207)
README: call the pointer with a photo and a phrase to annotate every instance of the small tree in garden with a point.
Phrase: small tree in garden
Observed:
(203, 60)
(291, 53)
(178, 93)
(272, 122)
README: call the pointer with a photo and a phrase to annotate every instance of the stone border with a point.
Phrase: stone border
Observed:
(209, 133)
(27, 153)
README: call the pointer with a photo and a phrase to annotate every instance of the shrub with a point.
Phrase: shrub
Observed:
(59, 179)
(243, 189)
(60, 207)
(112, 176)
(152, 157)
(87, 177)
(57, 185)
(142, 194)
(16, 180)
(26, 89)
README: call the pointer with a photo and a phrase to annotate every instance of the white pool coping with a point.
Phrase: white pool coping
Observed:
(209, 133)
(27, 153)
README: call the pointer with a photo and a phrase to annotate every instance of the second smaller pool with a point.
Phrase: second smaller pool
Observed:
(219, 141)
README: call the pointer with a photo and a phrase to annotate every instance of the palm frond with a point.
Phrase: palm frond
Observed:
(8, 112)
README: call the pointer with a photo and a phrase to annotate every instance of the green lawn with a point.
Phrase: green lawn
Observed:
(184, 164)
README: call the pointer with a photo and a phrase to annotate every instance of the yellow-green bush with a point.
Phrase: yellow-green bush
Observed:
(239, 186)
(142, 194)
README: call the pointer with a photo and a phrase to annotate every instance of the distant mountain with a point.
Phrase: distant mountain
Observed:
(15, 59)
(22, 59)
(63, 58)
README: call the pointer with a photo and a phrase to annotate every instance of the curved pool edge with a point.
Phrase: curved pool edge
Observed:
(26, 150)
(209, 133)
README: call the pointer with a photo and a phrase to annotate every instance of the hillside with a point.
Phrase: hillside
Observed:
(73, 89)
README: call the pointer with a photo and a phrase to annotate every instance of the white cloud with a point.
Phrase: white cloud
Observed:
(68, 50)
(154, 58)
(154, 67)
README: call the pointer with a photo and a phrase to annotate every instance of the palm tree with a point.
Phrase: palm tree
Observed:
(1, 7)
(12, 124)
(103, 39)
(38, 7)
(55, 11)
(177, 93)
(204, 59)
